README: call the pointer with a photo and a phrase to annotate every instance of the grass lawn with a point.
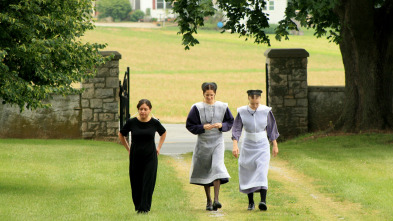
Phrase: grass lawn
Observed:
(78, 180)
(314, 178)
(162, 71)
(357, 168)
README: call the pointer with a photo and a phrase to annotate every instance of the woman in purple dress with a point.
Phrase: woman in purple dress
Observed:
(259, 127)
(209, 119)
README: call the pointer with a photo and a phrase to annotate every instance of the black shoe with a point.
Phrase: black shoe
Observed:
(262, 206)
(142, 212)
(209, 207)
(216, 205)
(251, 206)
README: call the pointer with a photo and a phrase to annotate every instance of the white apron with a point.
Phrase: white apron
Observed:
(208, 157)
(254, 149)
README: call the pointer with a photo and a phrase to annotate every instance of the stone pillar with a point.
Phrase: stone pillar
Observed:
(287, 89)
(100, 118)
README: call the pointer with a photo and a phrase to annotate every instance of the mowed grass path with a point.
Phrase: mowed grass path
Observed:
(162, 71)
(314, 178)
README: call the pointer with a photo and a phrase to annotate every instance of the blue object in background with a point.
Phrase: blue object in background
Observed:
(220, 24)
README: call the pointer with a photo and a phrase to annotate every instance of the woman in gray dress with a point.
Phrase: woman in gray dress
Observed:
(208, 119)
(259, 127)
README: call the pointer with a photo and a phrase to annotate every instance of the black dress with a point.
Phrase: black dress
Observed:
(143, 160)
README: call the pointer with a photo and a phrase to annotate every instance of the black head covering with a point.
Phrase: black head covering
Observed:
(206, 84)
(254, 92)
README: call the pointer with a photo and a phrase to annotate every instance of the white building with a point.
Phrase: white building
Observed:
(276, 10)
(161, 9)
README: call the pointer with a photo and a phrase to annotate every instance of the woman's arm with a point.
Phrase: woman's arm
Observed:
(275, 148)
(124, 142)
(236, 133)
(194, 124)
(272, 132)
(235, 150)
(162, 139)
(271, 128)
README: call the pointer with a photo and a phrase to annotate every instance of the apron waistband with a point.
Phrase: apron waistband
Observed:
(255, 136)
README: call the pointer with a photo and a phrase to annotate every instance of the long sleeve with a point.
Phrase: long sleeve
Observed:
(237, 128)
(271, 129)
(193, 123)
(227, 122)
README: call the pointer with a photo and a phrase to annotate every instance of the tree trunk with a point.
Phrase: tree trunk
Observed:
(367, 52)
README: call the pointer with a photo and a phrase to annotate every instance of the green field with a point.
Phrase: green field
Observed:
(356, 168)
(313, 178)
(76, 180)
(162, 71)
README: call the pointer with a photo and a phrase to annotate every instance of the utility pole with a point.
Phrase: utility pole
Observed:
(163, 23)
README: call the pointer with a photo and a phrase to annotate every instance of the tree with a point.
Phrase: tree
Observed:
(363, 29)
(117, 9)
(41, 52)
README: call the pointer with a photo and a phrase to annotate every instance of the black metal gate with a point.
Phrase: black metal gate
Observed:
(124, 95)
(267, 85)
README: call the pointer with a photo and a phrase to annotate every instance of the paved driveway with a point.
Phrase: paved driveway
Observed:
(179, 140)
(127, 24)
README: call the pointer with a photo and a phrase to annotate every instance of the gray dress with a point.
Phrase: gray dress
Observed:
(258, 126)
(208, 157)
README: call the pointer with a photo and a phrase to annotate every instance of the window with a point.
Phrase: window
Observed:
(160, 4)
(271, 5)
(168, 4)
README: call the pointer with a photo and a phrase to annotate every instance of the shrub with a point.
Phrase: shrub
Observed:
(148, 12)
(137, 15)
(271, 29)
(117, 9)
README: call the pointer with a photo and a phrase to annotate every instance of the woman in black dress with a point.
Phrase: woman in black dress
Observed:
(143, 154)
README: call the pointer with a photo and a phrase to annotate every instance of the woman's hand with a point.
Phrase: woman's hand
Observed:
(208, 126)
(158, 151)
(275, 148)
(235, 150)
(217, 125)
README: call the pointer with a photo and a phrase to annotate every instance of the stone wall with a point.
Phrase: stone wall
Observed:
(100, 102)
(297, 107)
(325, 105)
(62, 120)
(287, 89)
(91, 115)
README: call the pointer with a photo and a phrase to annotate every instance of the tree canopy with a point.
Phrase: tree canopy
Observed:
(248, 19)
(117, 9)
(362, 28)
(41, 52)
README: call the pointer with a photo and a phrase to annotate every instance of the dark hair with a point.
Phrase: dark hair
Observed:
(209, 86)
(144, 101)
(254, 93)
